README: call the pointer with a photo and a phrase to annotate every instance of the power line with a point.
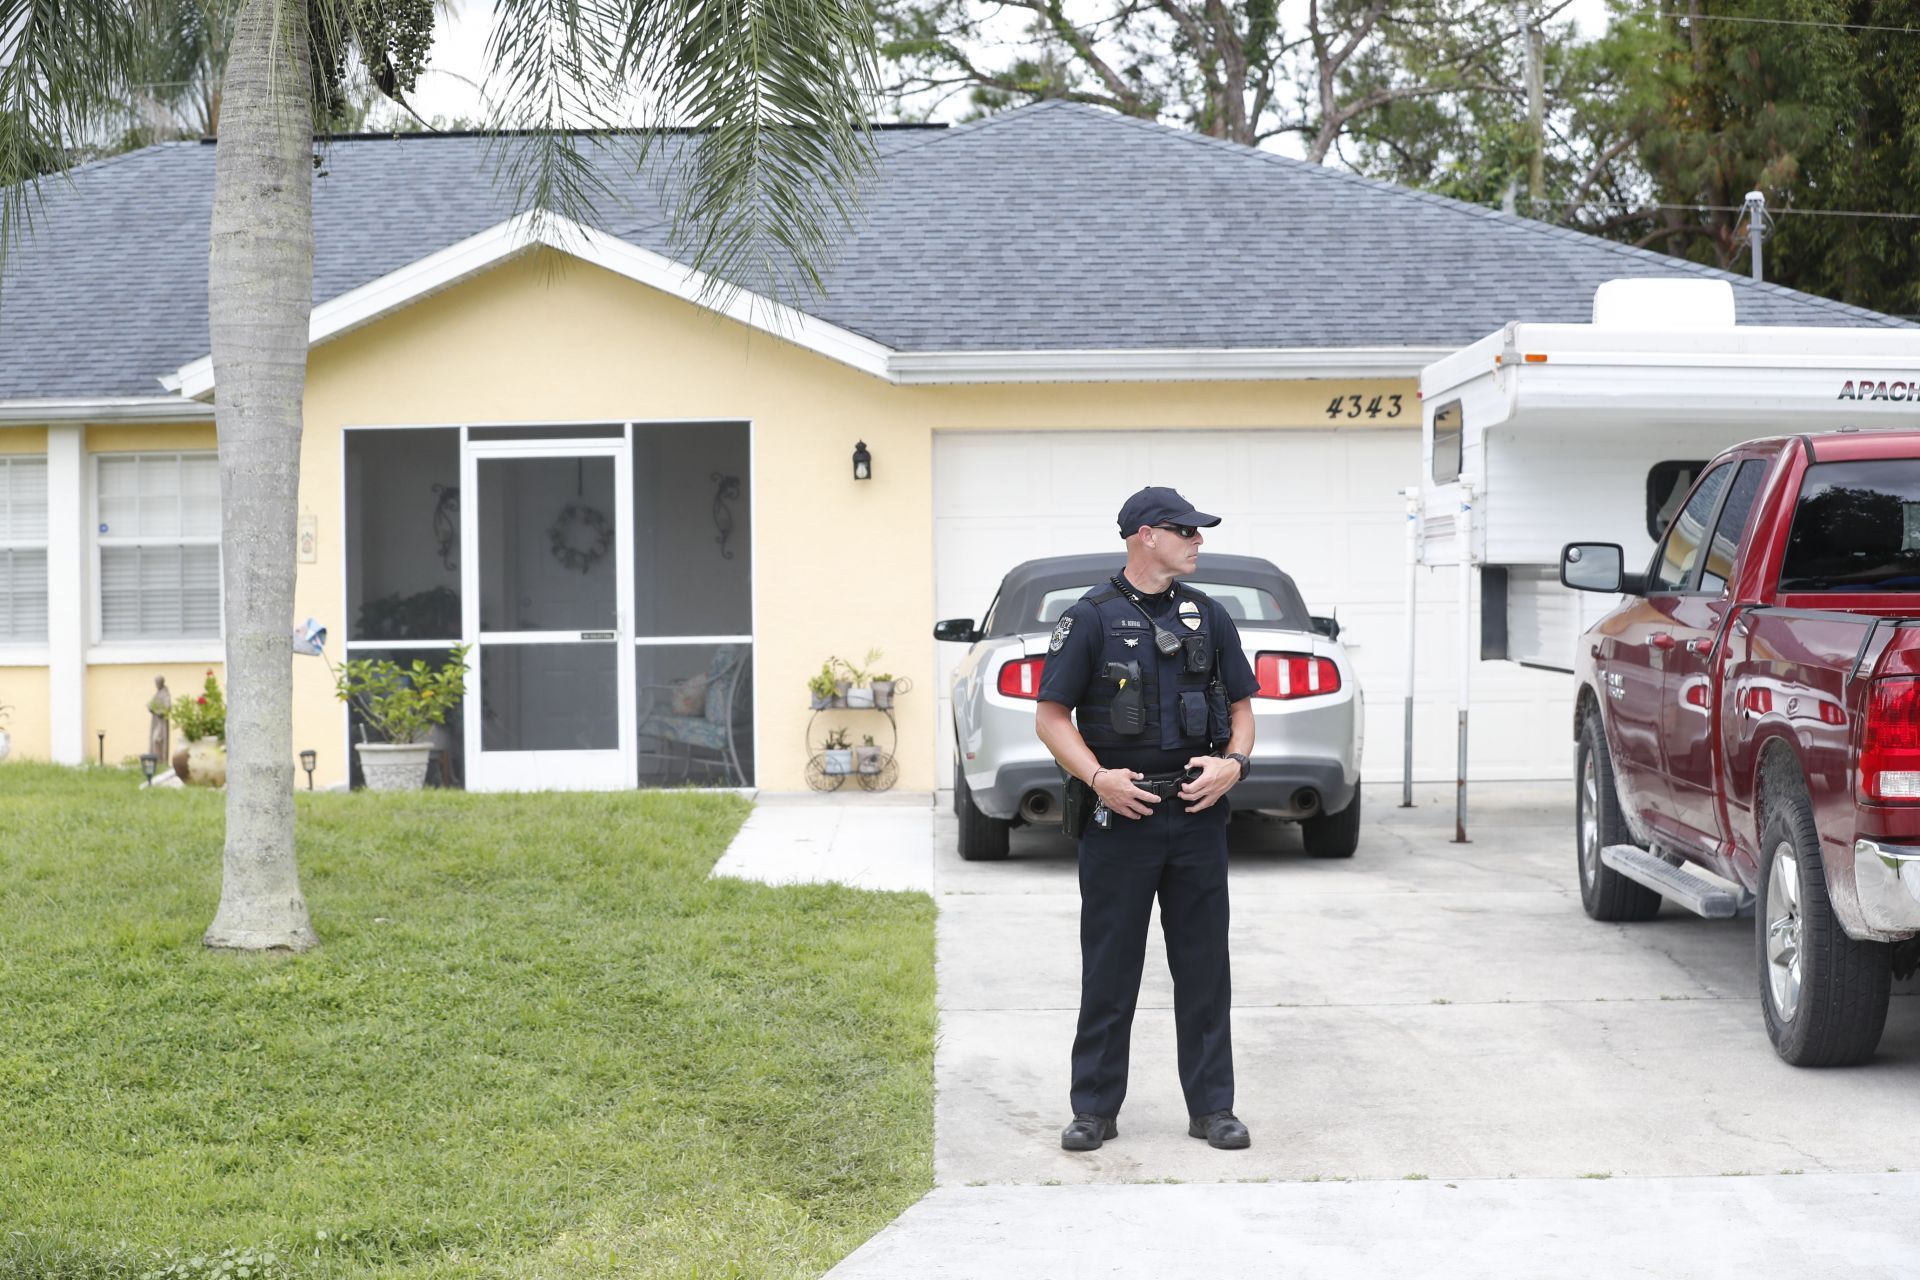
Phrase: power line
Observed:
(1782, 211)
(1795, 22)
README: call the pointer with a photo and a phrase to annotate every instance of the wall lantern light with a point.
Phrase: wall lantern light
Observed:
(862, 461)
(307, 761)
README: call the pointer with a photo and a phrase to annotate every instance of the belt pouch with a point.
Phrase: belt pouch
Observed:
(1130, 710)
(1193, 713)
(1077, 801)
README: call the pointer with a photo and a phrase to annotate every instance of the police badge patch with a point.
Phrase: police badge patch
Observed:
(1060, 631)
(1190, 614)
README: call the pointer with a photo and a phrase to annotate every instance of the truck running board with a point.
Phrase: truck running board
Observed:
(1676, 884)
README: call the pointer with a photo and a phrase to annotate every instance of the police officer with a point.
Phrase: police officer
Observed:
(1146, 699)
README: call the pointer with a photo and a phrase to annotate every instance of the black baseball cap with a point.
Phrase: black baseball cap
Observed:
(1156, 504)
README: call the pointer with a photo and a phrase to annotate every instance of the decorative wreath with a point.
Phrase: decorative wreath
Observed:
(580, 537)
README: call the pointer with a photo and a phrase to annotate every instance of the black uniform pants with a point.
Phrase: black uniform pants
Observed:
(1182, 858)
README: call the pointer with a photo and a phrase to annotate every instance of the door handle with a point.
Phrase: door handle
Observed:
(1661, 640)
(1701, 645)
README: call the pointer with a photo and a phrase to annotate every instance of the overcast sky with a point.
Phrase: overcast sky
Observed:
(459, 63)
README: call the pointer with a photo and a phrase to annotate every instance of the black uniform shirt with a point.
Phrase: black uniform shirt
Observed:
(1068, 674)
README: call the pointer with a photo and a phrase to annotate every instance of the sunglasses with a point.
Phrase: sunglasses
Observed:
(1186, 531)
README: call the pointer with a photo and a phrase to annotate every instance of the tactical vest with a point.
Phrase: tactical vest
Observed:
(1184, 710)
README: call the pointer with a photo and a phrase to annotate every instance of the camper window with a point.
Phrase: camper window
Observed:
(1667, 485)
(1446, 442)
(1679, 558)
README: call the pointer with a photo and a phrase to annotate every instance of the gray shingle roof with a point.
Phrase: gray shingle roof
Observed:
(1054, 227)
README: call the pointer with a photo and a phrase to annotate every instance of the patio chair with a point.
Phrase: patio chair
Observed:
(697, 714)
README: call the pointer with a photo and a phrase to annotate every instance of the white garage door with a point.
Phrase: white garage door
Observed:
(1323, 505)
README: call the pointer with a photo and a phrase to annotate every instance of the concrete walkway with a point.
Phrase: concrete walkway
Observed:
(1448, 1070)
(878, 841)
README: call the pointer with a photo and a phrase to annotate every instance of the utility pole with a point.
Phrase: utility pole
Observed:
(1756, 215)
(1536, 42)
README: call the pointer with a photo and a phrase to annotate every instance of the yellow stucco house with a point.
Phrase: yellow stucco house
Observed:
(642, 509)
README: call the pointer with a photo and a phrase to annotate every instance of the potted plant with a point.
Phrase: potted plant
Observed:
(867, 756)
(201, 756)
(6, 739)
(883, 689)
(838, 756)
(402, 705)
(820, 687)
(860, 692)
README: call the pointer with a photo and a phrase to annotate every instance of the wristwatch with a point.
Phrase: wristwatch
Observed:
(1245, 764)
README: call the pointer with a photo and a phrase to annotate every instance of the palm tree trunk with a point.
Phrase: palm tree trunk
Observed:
(260, 296)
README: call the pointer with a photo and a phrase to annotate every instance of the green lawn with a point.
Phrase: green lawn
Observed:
(537, 1041)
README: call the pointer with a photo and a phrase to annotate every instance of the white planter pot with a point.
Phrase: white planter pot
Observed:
(838, 763)
(867, 759)
(394, 766)
(883, 693)
(6, 744)
(861, 695)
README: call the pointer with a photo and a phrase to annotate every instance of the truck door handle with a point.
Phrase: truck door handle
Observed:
(1702, 645)
(1661, 640)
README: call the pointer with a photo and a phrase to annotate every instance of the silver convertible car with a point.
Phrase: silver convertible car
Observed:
(1307, 713)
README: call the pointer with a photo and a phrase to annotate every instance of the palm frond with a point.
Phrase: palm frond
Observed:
(779, 93)
(64, 68)
(768, 102)
(553, 65)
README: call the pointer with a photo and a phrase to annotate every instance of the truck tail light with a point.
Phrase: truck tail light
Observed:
(1890, 740)
(1021, 678)
(1294, 675)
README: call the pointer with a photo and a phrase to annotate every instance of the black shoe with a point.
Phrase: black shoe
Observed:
(1221, 1129)
(1087, 1132)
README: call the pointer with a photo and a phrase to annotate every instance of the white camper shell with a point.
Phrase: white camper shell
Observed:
(1544, 434)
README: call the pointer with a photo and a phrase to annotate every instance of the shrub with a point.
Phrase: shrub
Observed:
(204, 716)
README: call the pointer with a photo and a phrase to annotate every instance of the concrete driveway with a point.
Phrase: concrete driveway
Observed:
(1425, 1010)
(1429, 1017)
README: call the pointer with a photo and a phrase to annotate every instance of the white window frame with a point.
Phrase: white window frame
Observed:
(194, 649)
(15, 652)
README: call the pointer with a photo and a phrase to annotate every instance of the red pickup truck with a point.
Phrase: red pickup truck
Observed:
(1753, 708)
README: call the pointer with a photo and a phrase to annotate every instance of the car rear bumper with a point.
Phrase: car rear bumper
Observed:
(1272, 785)
(1887, 877)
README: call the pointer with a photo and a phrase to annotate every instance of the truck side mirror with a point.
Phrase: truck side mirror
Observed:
(1328, 627)
(1593, 566)
(958, 630)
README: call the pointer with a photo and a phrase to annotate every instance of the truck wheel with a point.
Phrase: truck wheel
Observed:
(982, 839)
(1335, 835)
(1605, 893)
(1823, 994)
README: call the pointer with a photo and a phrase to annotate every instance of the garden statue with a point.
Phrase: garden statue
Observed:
(159, 707)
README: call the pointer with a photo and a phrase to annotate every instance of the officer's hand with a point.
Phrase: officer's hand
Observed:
(1217, 776)
(1115, 787)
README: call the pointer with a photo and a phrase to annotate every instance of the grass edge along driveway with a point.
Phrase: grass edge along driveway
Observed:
(537, 1041)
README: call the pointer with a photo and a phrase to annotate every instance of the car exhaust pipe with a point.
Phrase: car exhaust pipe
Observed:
(1306, 800)
(1037, 806)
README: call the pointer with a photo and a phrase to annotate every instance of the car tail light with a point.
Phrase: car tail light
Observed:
(1021, 677)
(1890, 741)
(1758, 701)
(1295, 675)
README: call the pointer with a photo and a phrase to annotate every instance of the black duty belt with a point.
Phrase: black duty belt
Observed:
(1164, 785)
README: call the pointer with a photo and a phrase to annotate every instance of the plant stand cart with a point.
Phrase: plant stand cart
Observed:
(881, 778)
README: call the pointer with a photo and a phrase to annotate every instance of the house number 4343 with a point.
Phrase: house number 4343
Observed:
(1387, 407)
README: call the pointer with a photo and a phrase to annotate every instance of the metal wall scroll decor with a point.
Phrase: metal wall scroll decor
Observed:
(728, 491)
(580, 536)
(446, 524)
